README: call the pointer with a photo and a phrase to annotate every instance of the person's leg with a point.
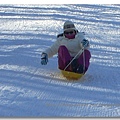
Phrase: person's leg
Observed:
(84, 61)
(64, 58)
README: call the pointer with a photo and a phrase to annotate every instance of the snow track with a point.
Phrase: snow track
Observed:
(28, 89)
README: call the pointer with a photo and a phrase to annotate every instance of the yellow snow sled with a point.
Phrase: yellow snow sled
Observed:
(71, 75)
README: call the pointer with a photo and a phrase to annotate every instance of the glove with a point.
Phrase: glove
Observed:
(44, 59)
(85, 43)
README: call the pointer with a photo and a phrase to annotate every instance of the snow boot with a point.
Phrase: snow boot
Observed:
(74, 65)
(80, 69)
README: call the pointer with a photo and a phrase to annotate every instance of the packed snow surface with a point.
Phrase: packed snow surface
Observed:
(29, 89)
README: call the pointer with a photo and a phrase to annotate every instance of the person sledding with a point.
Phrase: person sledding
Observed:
(67, 45)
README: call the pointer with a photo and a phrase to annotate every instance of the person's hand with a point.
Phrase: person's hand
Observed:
(85, 43)
(44, 59)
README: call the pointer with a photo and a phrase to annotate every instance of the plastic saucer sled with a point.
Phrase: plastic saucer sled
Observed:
(71, 75)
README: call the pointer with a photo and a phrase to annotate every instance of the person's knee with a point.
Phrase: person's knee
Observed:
(62, 47)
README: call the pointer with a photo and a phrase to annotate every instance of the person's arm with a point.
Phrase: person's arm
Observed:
(83, 41)
(49, 52)
(52, 50)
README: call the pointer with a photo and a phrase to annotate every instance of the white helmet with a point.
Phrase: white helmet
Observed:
(68, 25)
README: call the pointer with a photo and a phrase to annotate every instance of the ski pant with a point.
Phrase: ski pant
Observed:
(64, 58)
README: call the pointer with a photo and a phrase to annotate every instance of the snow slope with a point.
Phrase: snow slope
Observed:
(28, 89)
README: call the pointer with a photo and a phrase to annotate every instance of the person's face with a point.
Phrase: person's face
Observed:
(70, 34)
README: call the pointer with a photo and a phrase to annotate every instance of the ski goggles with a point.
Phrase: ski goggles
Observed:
(70, 32)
